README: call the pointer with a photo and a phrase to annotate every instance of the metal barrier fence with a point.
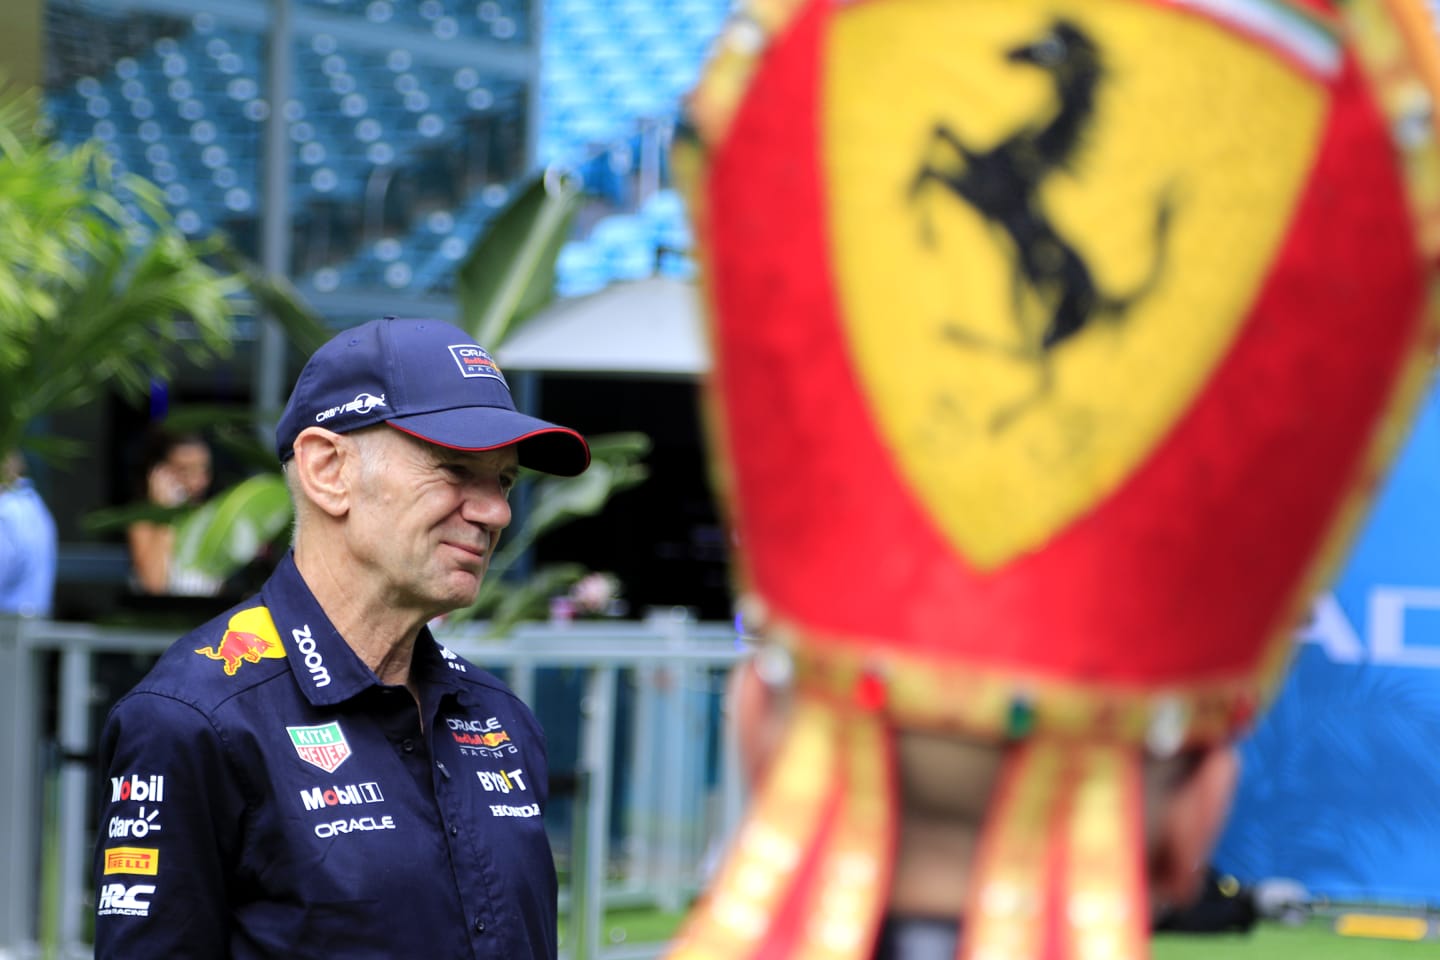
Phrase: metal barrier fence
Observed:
(683, 791)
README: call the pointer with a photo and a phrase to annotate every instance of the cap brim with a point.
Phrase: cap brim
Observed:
(542, 445)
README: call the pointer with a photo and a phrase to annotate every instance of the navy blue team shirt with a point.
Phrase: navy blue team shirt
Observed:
(265, 795)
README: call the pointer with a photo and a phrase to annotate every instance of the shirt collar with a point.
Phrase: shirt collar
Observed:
(326, 668)
(430, 665)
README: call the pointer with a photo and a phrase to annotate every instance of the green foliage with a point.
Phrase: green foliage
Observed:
(520, 600)
(92, 298)
(277, 298)
(111, 519)
(510, 273)
(614, 466)
(228, 531)
(229, 428)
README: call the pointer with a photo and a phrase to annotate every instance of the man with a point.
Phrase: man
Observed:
(1055, 346)
(311, 774)
(28, 543)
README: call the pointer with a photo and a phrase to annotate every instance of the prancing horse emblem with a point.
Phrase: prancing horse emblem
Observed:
(1003, 185)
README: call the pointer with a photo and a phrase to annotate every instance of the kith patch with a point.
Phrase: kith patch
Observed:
(323, 746)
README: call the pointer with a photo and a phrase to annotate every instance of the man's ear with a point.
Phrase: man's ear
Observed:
(319, 465)
(1191, 820)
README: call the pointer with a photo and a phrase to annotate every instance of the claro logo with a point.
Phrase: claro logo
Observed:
(313, 661)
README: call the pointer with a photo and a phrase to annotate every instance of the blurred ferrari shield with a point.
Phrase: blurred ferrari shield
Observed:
(1031, 215)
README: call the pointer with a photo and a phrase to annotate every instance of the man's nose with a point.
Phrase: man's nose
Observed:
(486, 504)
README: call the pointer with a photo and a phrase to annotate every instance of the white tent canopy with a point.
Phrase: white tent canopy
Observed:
(649, 327)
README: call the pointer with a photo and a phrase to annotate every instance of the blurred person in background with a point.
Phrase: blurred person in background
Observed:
(175, 472)
(28, 543)
(1056, 347)
(311, 774)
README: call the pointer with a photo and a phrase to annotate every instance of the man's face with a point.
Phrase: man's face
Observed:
(189, 465)
(425, 519)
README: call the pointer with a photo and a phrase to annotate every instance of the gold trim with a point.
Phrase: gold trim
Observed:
(736, 53)
(982, 700)
(733, 919)
(1104, 911)
(853, 879)
(1007, 884)
(1395, 44)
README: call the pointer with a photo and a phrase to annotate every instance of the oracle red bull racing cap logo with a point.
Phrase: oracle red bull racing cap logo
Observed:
(475, 362)
(249, 637)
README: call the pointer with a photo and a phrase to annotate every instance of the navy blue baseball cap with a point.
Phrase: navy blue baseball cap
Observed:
(430, 380)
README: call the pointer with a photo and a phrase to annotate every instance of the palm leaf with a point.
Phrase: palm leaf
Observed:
(613, 467)
(527, 599)
(563, 499)
(91, 297)
(510, 273)
(227, 532)
(303, 326)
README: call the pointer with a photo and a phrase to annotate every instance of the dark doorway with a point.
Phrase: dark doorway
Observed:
(663, 538)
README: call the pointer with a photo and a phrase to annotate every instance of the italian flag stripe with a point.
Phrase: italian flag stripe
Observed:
(1306, 37)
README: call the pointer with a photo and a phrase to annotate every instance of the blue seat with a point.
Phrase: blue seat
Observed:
(580, 269)
(624, 242)
(605, 65)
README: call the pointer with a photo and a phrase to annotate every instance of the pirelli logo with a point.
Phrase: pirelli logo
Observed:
(141, 861)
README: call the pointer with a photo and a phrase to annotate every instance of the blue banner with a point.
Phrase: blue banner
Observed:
(1340, 787)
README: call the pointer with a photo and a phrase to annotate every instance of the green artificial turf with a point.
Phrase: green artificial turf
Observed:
(1315, 941)
(640, 926)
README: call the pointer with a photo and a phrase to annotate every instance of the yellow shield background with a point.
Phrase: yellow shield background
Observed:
(1175, 200)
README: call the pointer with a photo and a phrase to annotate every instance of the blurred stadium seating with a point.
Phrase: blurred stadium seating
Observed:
(399, 158)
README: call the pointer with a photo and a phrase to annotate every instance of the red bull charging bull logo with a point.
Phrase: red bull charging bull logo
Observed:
(249, 636)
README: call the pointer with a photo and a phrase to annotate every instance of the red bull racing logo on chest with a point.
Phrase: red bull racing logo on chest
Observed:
(249, 637)
(479, 738)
